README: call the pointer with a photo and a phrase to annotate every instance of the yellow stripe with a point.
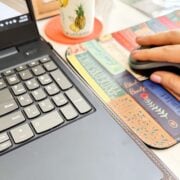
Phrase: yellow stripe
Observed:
(74, 61)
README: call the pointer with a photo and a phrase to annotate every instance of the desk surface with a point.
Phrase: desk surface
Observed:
(121, 16)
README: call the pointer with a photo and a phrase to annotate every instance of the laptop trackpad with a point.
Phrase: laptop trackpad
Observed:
(89, 149)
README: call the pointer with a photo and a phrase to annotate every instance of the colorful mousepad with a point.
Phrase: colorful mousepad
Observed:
(145, 107)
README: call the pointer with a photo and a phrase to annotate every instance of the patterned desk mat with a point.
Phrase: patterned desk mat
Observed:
(147, 109)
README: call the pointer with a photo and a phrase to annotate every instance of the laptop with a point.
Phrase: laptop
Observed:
(52, 126)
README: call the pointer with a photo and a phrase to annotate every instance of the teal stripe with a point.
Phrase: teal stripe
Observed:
(102, 56)
(102, 78)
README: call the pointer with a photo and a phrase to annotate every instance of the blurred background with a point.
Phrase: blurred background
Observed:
(151, 8)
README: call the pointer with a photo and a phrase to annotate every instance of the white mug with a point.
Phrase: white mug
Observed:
(77, 17)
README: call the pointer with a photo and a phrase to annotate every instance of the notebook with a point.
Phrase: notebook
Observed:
(52, 126)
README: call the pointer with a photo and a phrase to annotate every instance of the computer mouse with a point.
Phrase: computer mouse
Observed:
(148, 67)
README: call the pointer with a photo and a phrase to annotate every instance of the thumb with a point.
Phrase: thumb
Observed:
(169, 80)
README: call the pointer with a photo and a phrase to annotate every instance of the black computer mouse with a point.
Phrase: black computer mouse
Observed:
(148, 67)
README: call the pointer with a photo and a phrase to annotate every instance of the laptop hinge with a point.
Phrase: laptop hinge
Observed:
(8, 52)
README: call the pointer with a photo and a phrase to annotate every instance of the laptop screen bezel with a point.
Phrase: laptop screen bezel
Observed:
(22, 34)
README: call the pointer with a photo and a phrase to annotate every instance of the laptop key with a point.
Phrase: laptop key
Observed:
(59, 100)
(31, 111)
(21, 133)
(2, 84)
(20, 68)
(11, 120)
(4, 137)
(46, 105)
(38, 70)
(33, 63)
(45, 59)
(32, 84)
(45, 79)
(12, 79)
(8, 72)
(5, 145)
(50, 66)
(47, 122)
(7, 102)
(18, 89)
(25, 75)
(69, 112)
(77, 99)
(52, 89)
(61, 79)
(25, 100)
(39, 94)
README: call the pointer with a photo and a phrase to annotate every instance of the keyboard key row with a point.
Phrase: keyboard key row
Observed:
(26, 74)
(31, 83)
(24, 132)
(9, 103)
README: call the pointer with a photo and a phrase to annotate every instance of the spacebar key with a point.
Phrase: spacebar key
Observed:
(47, 122)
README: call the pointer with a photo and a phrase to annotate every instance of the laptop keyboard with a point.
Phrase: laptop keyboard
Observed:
(36, 99)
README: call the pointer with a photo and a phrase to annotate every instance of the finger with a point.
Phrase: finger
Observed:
(163, 38)
(169, 80)
(175, 95)
(161, 54)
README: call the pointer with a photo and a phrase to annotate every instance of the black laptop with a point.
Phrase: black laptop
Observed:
(52, 126)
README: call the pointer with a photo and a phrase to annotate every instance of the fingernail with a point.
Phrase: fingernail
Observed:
(156, 78)
(134, 52)
(138, 38)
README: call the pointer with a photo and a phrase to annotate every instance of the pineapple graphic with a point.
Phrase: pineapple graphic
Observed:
(80, 20)
(74, 28)
(63, 3)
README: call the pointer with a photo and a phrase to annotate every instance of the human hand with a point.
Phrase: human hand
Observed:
(167, 50)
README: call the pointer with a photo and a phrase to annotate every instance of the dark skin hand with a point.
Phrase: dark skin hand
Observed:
(168, 49)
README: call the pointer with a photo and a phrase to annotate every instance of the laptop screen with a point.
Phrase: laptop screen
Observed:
(13, 14)
(17, 23)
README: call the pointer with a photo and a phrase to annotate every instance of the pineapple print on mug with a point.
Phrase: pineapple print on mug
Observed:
(77, 17)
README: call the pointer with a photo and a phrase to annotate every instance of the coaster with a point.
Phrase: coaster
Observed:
(54, 31)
